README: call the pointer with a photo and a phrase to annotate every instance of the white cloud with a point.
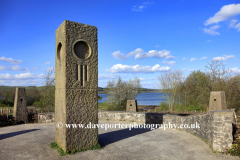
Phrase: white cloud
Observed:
(140, 54)
(119, 68)
(209, 40)
(20, 82)
(183, 58)
(192, 70)
(169, 57)
(193, 59)
(10, 60)
(33, 69)
(20, 76)
(140, 8)
(203, 58)
(3, 68)
(236, 70)
(211, 30)
(13, 68)
(18, 68)
(223, 58)
(107, 76)
(238, 26)
(152, 78)
(225, 13)
(153, 53)
(142, 79)
(47, 63)
(170, 62)
(119, 55)
(233, 21)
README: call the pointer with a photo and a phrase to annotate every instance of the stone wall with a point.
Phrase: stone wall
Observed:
(46, 117)
(141, 117)
(215, 127)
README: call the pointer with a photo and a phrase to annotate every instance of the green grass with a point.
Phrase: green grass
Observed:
(102, 106)
(62, 153)
(6, 107)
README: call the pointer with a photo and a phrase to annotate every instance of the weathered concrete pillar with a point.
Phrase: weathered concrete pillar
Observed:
(131, 106)
(20, 105)
(76, 84)
(217, 101)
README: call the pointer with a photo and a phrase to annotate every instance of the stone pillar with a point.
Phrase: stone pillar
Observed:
(222, 130)
(131, 106)
(76, 84)
(20, 105)
(217, 101)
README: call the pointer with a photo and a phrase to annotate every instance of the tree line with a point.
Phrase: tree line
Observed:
(193, 92)
(42, 97)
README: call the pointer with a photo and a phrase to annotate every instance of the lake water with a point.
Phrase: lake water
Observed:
(142, 98)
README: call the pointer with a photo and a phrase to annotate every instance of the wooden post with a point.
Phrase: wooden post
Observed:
(1, 111)
(7, 113)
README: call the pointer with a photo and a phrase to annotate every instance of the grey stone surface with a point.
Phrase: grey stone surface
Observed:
(131, 106)
(217, 101)
(76, 73)
(46, 117)
(20, 111)
(32, 141)
(215, 127)
(122, 115)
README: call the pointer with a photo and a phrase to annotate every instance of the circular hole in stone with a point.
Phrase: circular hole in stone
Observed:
(21, 100)
(81, 50)
(59, 50)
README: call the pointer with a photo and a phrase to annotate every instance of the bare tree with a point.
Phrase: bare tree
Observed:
(169, 82)
(48, 92)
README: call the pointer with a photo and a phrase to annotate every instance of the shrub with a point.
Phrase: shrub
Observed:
(235, 150)
(163, 106)
(119, 92)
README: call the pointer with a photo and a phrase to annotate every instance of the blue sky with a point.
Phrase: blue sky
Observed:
(135, 37)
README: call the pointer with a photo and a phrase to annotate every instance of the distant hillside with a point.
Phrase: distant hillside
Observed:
(101, 90)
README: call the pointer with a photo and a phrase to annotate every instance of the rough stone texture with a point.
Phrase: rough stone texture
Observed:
(20, 111)
(46, 117)
(217, 101)
(76, 96)
(215, 127)
(131, 106)
(148, 118)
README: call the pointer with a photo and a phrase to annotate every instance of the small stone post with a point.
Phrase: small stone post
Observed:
(217, 101)
(20, 112)
(131, 106)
